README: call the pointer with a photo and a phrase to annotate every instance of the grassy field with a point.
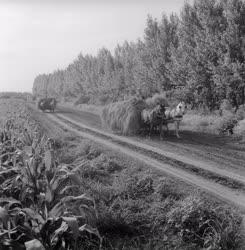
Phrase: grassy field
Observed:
(78, 195)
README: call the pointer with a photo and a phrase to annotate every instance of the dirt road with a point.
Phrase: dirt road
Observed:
(205, 150)
(211, 163)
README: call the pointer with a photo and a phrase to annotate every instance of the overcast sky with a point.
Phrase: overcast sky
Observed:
(40, 36)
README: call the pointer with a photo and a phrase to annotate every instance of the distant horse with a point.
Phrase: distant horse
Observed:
(175, 116)
(153, 118)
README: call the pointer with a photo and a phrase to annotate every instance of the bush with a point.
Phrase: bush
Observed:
(226, 124)
(196, 221)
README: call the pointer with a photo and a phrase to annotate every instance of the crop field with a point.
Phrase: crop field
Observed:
(122, 125)
(66, 192)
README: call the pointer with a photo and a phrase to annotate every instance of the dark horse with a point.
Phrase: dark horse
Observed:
(153, 118)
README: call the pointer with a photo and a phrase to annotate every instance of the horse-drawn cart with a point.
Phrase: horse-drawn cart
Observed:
(47, 104)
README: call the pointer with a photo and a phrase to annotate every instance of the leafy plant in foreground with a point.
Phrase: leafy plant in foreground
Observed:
(43, 213)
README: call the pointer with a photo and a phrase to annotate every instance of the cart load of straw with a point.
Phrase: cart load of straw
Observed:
(157, 99)
(124, 117)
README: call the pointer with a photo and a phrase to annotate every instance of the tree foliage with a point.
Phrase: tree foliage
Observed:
(199, 53)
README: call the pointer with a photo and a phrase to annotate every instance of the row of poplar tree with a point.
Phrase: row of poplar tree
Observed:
(198, 55)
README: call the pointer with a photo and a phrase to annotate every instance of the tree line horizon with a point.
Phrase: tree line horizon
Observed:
(197, 55)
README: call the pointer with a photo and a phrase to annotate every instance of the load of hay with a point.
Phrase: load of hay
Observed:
(125, 116)
(157, 99)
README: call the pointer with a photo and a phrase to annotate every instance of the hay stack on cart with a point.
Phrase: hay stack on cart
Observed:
(125, 116)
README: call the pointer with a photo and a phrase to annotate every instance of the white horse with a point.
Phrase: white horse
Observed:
(175, 116)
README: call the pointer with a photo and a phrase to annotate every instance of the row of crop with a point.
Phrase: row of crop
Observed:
(37, 207)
